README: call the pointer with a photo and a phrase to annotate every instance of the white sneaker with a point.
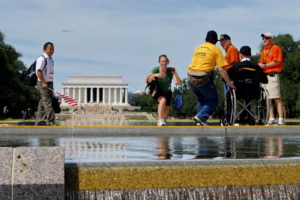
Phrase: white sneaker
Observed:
(272, 122)
(165, 122)
(281, 122)
(161, 123)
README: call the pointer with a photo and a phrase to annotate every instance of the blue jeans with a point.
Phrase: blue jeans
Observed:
(207, 99)
(225, 88)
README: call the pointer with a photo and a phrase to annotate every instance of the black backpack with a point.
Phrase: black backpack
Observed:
(151, 88)
(30, 76)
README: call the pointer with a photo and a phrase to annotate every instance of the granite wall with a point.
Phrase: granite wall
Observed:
(32, 173)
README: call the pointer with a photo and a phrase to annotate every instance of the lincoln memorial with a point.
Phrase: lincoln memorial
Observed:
(97, 90)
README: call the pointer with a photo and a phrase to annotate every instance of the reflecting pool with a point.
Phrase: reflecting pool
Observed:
(120, 149)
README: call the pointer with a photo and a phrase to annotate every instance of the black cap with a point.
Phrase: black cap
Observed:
(212, 35)
(224, 37)
(245, 50)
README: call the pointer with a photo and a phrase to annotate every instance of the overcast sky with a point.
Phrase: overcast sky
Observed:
(125, 37)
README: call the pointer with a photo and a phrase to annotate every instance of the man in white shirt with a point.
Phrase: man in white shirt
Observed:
(45, 71)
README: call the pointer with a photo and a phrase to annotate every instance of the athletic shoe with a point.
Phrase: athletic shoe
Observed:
(161, 123)
(201, 122)
(281, 122)
(272, 123)
(165, 122)
(51, 124)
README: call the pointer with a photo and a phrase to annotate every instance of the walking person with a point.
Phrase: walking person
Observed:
(205, 57)
(45, 71)
(23, 113)
(271, 62)
(5, 112)
(164, 75)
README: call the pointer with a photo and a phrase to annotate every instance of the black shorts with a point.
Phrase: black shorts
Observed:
(167, 95)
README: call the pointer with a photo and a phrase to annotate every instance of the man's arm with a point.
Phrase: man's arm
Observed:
(40, 75)
(271, 64)
(225, 76)
(40, 65)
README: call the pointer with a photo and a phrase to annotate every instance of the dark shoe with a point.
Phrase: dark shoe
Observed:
(41, 123)
(200, 122)
(51, 124)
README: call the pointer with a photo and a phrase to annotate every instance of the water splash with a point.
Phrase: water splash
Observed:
(280, 192)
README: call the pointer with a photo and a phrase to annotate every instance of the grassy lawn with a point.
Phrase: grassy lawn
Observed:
(136, 117)
(63, 116)
(15, 119)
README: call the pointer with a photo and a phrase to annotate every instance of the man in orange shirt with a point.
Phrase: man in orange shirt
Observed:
(271, 62)
(232, 53)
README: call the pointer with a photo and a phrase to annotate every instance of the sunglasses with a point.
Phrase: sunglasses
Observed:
(266, 38)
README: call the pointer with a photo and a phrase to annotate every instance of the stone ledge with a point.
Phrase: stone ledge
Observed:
(32, 173)
(182, 174)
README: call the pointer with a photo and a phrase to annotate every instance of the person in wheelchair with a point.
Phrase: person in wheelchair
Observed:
(247, 77)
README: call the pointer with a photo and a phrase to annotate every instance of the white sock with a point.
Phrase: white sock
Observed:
(271, 119)
(280, 119)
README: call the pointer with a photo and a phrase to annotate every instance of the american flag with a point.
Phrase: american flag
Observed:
(70, 100)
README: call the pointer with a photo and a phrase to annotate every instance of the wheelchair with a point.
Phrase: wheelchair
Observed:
(247, 105)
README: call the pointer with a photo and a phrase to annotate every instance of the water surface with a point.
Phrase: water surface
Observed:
(120, 149)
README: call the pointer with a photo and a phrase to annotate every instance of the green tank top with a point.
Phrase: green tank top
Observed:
(164, 84)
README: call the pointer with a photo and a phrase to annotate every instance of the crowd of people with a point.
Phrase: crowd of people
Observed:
(204, 60)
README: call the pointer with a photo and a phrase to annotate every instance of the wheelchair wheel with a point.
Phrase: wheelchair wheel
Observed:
(228, 117)
(263, 107)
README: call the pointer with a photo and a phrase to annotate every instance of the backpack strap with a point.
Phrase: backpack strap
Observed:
(45, 61)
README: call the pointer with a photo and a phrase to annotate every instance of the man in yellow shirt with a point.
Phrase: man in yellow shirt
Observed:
(205, 57)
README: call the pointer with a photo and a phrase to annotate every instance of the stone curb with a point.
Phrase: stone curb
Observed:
(32, 173)
(149, 130)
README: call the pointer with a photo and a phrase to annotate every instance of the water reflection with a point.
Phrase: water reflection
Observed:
(207, 148)
(229, 147)
(92, 150)
(119, 149)
(274, 147)
(94, 122)
(163, 148)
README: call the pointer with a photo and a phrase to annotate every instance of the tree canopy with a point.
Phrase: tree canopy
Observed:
(14, 94)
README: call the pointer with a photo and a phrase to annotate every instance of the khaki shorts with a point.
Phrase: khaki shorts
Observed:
(273, 86)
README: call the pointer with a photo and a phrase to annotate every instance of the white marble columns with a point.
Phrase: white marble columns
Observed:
(98, 95)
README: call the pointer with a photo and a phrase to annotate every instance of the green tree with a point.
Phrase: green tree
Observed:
(14, 93)
(189, 108)
(146, 102)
